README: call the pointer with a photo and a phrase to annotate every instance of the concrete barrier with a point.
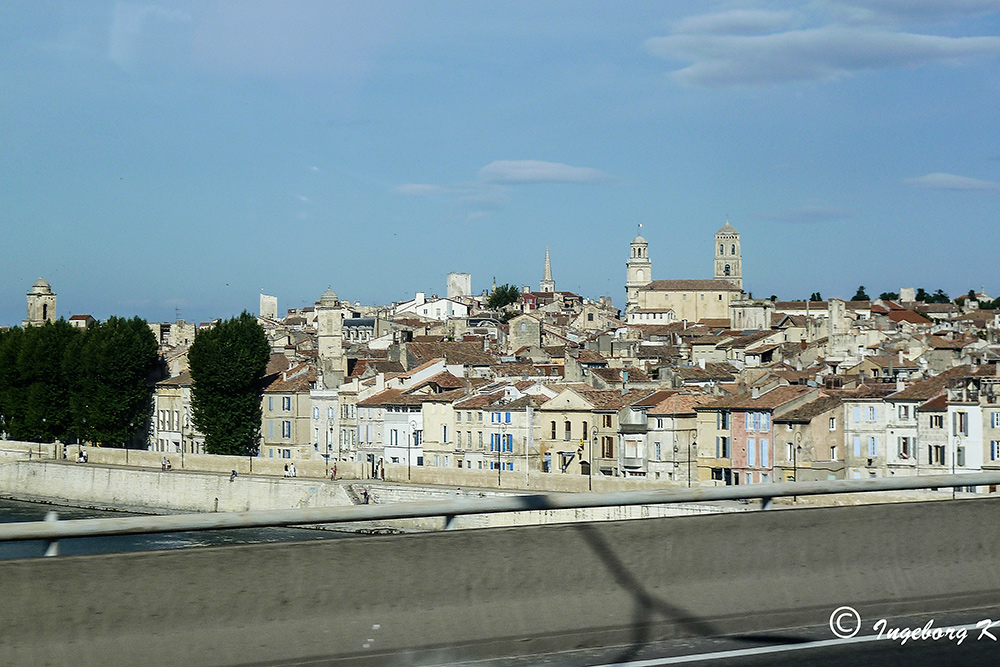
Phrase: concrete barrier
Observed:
(462, 594)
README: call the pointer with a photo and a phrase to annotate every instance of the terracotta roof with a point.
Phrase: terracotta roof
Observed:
(610, 399)
(936, 404)
(690, 285)
(908, 316)
(466, 354)
(680, 404)
(811, 409)
(767, 401)
(295, 380)
(182, 380)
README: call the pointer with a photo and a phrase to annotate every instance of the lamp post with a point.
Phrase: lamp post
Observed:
(590, 465)
(409, 442)
(503, 432)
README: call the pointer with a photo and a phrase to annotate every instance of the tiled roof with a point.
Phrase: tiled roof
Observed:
(767, 401)
(690, 285)
(811, 409)
(680, 404)
(611, 399)
(466, 354)
(299, 379)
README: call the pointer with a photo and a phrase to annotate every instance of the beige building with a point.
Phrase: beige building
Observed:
(173, 427)
(666, 301)
(41, 304)
(287, 415)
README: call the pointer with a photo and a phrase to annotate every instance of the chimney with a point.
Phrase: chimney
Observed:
(701, 363)
(755, 392)
(379, 382)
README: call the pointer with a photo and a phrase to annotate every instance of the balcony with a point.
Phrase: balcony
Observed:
(634, 462)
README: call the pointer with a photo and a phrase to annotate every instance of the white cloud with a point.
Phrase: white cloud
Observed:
(807, 55)
(535, 171)
(917, 10)
(940, 181)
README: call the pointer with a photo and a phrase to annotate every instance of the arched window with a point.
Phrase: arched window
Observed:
(727, 270)
(722, 249)
(639, 275)
(734, 249)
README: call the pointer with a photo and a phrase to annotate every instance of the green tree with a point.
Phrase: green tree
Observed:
(41, 401)
(227, 363)
(860, 295)
(889, 296)
(815, 296)
(939, 296)
(921, 295)
(503, 296)
(111, 371)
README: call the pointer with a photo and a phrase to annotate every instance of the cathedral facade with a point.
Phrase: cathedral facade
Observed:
(651, 301)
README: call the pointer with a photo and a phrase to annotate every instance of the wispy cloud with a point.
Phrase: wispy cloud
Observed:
(535, 171)
(809, 214)
(492, 190)
(819, 42)
(735, 21)
(940, 181)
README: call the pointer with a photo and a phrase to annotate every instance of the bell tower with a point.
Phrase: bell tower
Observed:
(727, 255)
(638, 272)
(41, 304)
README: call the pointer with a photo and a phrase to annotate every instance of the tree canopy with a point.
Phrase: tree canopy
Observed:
(58, 382)
(860, 295)
(227, 363)
(503, 296)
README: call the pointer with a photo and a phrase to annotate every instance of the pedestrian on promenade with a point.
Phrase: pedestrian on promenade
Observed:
(291, 470)
(333, 475)
(286, 470)
(232, 477)
(163, 463)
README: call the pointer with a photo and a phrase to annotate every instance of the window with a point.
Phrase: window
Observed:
(994, 450)
(286, 403)
(553, 431)
(871, 413)
(833, 423)
(468, 417)
(723, 420)
(960, 421)
(790, 452)
(995, 420)
(833, 453)
(857, 446)
(607, 421)
(960, 456)
(568, 429)
(656, 451)
(270, 403)
(751, 453)
(458, 438)
(286, 429)
(444, 435)
(315, 413)
(607, 447)
(480, 438)
(905, 443)
(458, 416)
(584, 431)
(721, 447)
(872, 446)
(329, 413)
(506, 417)
(722, 249)
(936, 455)
(937, 421)
(904, 412)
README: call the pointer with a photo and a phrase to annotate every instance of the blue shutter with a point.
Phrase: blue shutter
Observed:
(857, 445)
(751, 453)
(763, 454)
(507, 417)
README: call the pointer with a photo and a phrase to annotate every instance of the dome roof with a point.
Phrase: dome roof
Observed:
(329, 298)
(41, 286)
(639, 239)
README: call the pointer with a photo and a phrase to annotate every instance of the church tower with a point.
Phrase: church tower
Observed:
(330, 327)
(547, 284)
(727, 255)
(638, 272)
(41, 304)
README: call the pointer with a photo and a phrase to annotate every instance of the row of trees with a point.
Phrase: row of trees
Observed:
(922, 296)
(58, 382)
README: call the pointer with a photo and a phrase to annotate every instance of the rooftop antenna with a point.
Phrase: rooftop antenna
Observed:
(177, 314)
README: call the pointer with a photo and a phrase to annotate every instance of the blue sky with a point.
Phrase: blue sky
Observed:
(182, 157)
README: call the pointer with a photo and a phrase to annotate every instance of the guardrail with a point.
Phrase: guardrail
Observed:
(52, 530)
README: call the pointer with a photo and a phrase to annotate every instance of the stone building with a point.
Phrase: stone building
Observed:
(41, 304)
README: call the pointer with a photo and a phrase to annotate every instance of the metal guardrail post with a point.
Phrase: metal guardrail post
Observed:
(52, 549)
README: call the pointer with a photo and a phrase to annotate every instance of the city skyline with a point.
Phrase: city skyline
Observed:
(184, 157)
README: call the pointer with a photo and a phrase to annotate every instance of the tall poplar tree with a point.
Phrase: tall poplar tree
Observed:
(111, 374)
(227, 363)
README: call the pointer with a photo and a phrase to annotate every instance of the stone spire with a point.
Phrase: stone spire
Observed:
(547, 284)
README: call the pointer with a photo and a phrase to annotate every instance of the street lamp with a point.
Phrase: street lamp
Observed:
(590, 464)
(409, 442)
(503, 432)
(691, 454)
